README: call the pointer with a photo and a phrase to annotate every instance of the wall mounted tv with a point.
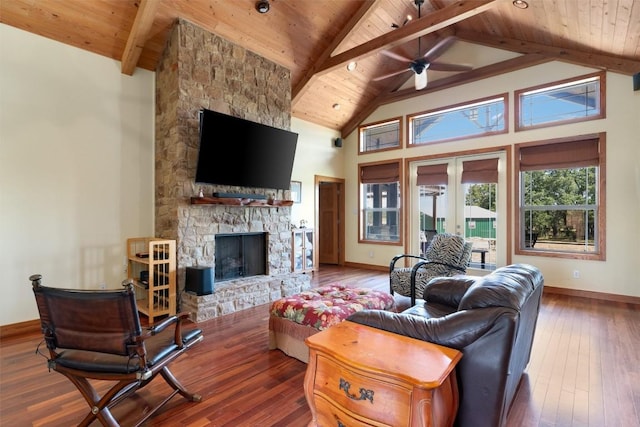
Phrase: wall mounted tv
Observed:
(243, 153)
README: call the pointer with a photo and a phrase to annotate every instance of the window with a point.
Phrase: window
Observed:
(380, 136)
(380, 203)
(568, 101)
(477, 118)
(561, 197)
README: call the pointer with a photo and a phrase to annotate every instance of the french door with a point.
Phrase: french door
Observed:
(463, 195)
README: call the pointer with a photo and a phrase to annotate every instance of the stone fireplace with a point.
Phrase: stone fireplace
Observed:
(201, 70)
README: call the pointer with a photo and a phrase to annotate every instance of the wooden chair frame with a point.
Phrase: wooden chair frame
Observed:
(96, 335)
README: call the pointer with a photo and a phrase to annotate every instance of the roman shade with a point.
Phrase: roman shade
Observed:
(480, 171)
(572, 154)
(433, 175)
(381, 173)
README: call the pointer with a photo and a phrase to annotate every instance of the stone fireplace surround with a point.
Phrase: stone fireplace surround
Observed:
(201, 70)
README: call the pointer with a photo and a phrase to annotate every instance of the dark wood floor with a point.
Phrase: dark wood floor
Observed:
(585, 371)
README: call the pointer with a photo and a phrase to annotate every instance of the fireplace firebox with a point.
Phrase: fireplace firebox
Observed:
(240, 255)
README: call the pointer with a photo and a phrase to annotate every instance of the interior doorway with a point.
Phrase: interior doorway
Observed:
(329, 219)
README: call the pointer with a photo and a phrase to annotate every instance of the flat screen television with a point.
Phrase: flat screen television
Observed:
(239, 152)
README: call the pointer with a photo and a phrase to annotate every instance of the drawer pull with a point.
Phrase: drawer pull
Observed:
(364, 393)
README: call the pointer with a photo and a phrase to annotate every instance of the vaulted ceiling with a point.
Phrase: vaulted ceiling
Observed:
(317, 39)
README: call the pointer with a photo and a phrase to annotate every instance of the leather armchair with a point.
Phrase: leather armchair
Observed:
(490, 319)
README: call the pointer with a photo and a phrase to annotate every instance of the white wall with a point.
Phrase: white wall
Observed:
(616, 275)
(76, 167)
(315, 155)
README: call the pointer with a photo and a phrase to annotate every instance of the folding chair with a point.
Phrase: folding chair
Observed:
(96, 335)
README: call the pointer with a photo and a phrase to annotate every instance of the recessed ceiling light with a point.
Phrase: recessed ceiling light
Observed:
(520, 4)
(263, 6)
(336, 106)
(352, 65)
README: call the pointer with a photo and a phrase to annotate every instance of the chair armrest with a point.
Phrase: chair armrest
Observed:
(425, 263)
(164, 324)
(422, 264)
(392, 264)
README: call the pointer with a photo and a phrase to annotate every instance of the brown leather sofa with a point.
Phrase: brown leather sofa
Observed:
(490, 319)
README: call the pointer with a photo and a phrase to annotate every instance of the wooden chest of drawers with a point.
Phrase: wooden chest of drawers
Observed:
(362, 376)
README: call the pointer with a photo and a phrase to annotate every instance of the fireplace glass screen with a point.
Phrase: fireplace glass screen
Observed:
(240, 255)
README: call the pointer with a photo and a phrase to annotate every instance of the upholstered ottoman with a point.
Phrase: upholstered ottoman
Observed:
(294, 318)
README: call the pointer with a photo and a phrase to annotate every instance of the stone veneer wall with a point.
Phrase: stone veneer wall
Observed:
(201, 70)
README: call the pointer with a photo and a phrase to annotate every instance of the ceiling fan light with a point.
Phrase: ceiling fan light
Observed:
(420, 80)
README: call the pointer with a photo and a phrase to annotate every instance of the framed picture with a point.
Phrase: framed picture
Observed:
(296, 191)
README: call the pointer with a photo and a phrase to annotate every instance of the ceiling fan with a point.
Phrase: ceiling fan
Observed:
(420, 65)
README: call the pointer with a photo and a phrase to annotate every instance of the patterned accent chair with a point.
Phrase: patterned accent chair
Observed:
(447, 255)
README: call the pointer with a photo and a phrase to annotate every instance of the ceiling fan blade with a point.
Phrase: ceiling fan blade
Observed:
(420, 80)
(395, 56)
(441, 66)
(439, 48)
(395, 73)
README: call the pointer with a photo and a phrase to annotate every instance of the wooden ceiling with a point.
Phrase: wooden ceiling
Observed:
(316, 39)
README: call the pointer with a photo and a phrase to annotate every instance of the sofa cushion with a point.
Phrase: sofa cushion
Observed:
(430, 310)
(496, 290)
(448, 290)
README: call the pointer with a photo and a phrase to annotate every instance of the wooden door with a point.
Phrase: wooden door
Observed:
(328, 223)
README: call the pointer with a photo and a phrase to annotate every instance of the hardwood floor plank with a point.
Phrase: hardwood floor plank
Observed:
(584, 371)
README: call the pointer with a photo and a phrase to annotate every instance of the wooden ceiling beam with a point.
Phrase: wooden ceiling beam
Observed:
(487, 71)
(356, 20)
(612, 63)
(435, 21)
(138, 35)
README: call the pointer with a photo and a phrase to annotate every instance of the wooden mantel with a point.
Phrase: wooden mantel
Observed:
(240, 202)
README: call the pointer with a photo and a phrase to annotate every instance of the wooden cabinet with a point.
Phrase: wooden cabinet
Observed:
(362, 376)
(302, 250)
(152, 266)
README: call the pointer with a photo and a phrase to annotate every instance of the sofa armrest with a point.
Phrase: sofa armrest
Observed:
(447, 290)
(456, 330)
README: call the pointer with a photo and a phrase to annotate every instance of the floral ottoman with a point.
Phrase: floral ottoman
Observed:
(294, 318)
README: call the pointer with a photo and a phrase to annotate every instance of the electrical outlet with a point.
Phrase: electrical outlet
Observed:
(576, 274)
(102, 286)
(370, 254)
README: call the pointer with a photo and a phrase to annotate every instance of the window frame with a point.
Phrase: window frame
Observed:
(410, 117)
(364, 127)
(517, 94)
(600, 253)
(400, 213)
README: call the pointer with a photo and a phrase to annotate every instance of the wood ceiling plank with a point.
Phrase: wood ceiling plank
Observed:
(622, 23)
(609, 19)
(581, 22)
(98, 29)
(597, 13)
(354, 23)
(631, 46)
